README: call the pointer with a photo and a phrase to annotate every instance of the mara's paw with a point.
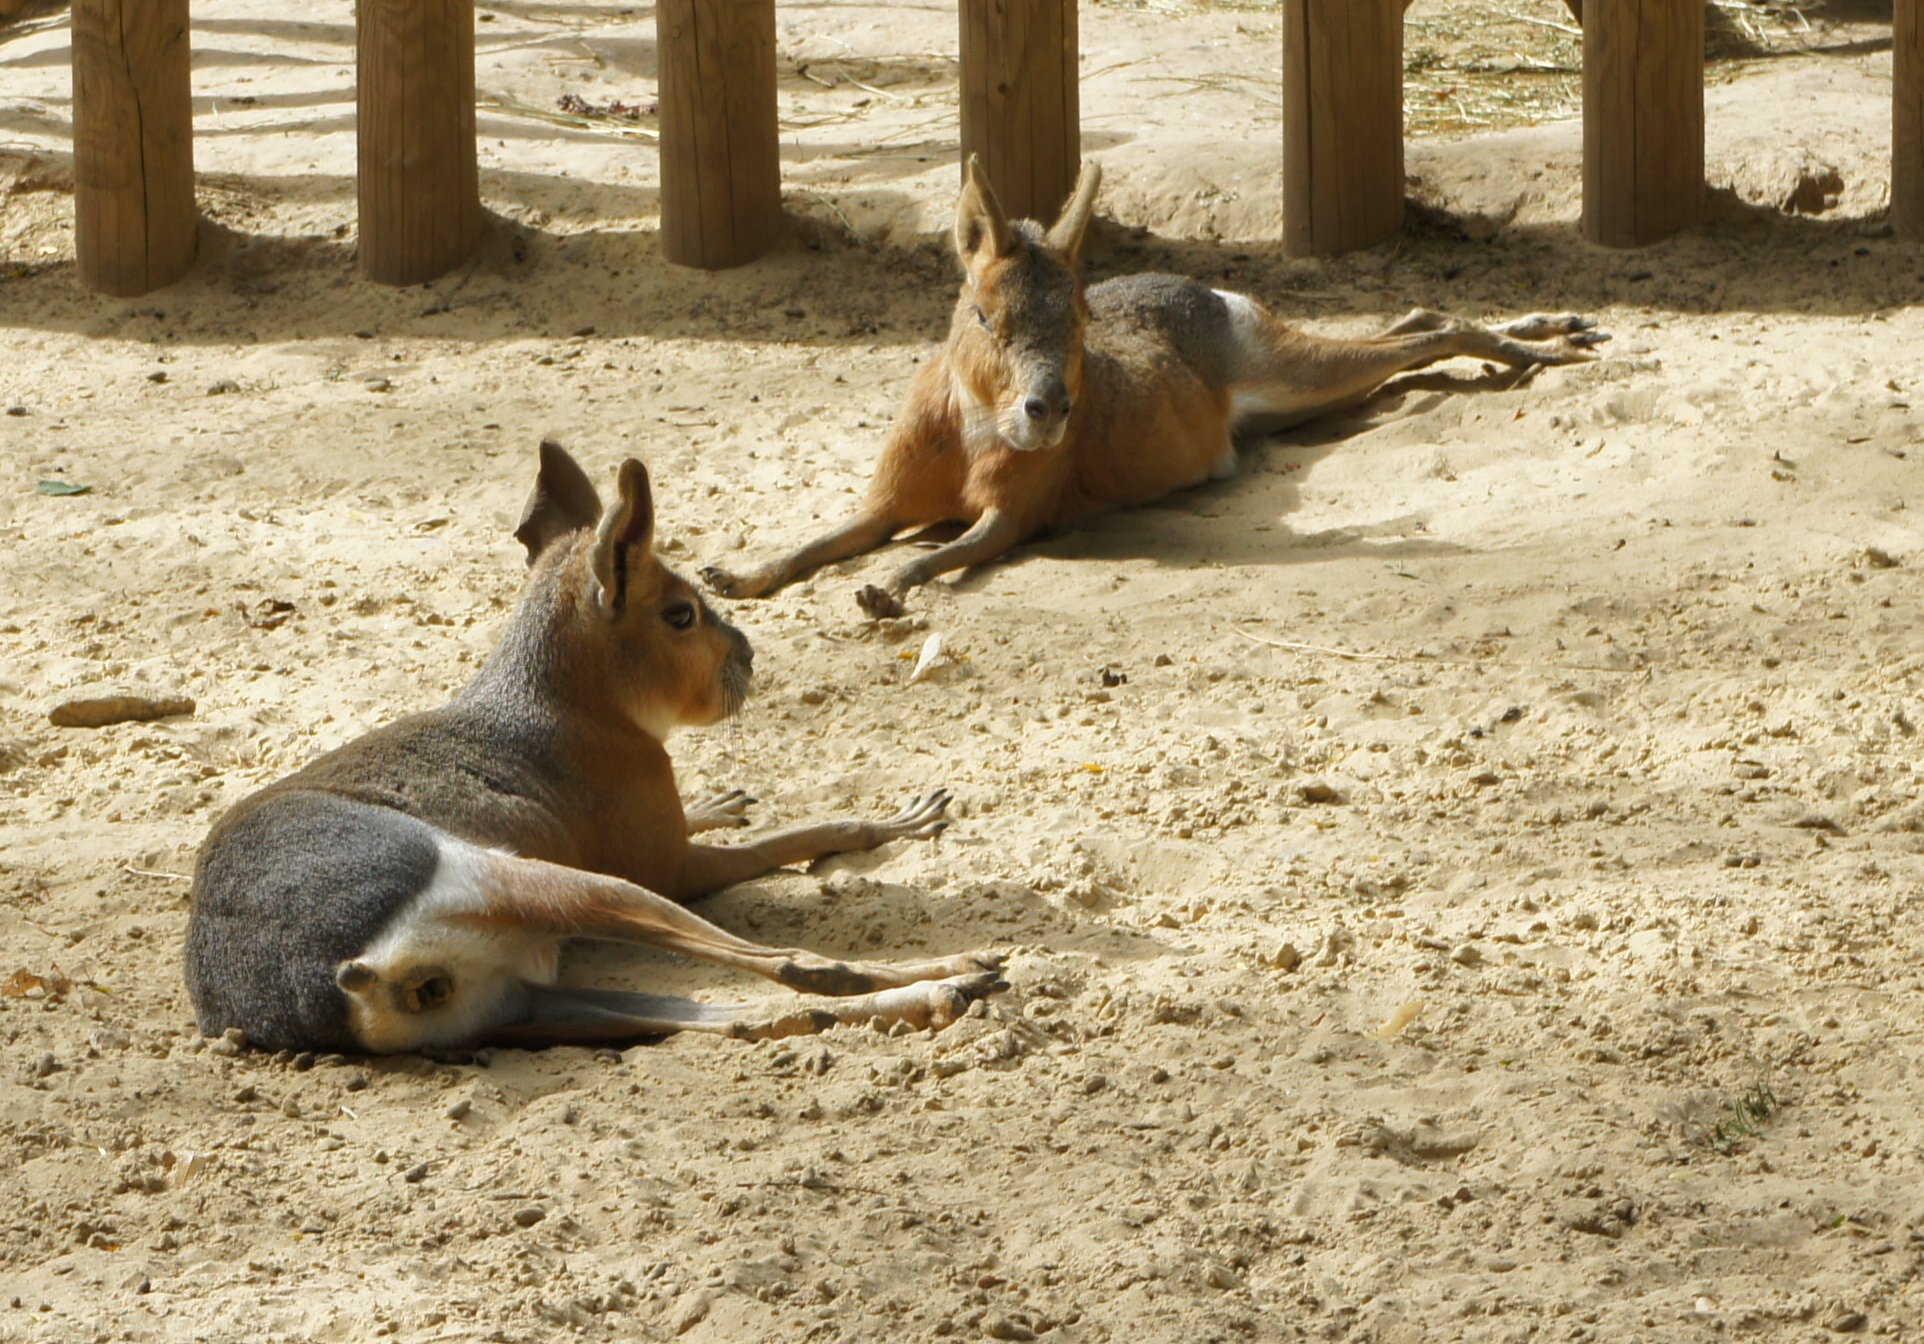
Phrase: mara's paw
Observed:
(1548, 326)
(953, 997)
(877, 603)
(721, 583)
(723, 811)
(977, 963)
(926, 816)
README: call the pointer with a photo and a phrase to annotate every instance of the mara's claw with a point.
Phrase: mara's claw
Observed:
(1547, 326)
(719, 581)
(924, 817)
(723, 811)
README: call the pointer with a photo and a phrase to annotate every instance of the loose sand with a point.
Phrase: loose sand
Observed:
(1545, 970)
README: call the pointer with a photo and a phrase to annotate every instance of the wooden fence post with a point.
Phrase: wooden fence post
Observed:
(1907, 121)
(1021, 107)
(420, 199)
(721, 170)
(1342, 124)
(1643, 119)
(135, 225)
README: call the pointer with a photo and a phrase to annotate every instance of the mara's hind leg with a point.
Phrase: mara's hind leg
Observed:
(1285, 377)
(554, 1015)
(460, 964)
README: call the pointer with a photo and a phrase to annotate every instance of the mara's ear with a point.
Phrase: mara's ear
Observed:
(982, 231)
(1066, 235)
(628, 526)
(563, 501)
(354, 976)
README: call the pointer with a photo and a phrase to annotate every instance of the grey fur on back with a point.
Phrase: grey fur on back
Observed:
(1186, 313)
(285, 890)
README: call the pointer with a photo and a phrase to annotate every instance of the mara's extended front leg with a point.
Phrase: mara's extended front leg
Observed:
(711, 867)
(862, 533)
(993, 534)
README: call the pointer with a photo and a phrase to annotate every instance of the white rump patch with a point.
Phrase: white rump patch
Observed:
(487, 967)
(1245, 318)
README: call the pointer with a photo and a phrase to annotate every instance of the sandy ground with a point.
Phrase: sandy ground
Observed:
(1544, 970)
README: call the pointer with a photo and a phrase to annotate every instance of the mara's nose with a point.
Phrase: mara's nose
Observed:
(1052, 399)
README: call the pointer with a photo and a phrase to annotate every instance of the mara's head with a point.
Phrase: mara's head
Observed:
(624, 627)
(1016, 339)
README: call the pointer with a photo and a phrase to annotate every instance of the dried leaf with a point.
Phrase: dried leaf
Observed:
(930, 657)
(62, 488)
(24, 984)
(1399, 1021)
(186, 1167)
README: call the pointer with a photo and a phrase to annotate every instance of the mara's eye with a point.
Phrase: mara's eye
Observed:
(982, 317)
(681, 615)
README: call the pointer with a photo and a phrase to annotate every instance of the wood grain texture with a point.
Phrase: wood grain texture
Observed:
(1342, 124)
(1907, 120)
(721, 175)
(135, 225)
(420, 199)
(1021, 103)
(1643, 120)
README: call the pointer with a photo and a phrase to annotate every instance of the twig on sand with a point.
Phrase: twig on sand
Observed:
(155, 872)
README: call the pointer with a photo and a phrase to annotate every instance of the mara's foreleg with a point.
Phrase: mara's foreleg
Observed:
(993, 534)
(864, 532)
(712, 867)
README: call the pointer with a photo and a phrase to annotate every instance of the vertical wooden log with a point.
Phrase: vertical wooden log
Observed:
(135, 226)
(1342, 124)
(1021, 105)
(1643, 119)
(721, 172)
(1907, 121)
(420, 197)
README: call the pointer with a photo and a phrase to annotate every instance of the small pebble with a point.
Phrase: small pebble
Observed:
(460, 1109)
(997, 1326)
(690, 1311)
(415, 1174)
(529, 1216)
